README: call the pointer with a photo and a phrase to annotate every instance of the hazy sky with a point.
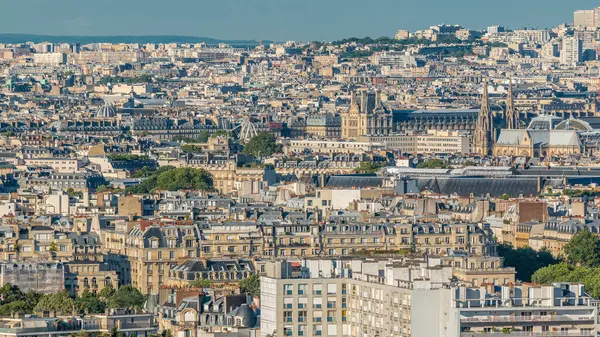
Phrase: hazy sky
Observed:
(274, 19)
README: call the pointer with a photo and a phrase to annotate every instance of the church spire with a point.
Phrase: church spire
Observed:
(482, 142)
(511, 118)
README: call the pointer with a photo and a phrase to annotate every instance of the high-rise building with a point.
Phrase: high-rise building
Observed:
(596, 16)
(584, 18)
(570, 53)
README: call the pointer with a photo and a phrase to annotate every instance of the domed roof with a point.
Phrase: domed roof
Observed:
(106, 111)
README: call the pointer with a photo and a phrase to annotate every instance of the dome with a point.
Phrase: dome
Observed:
(106, 111)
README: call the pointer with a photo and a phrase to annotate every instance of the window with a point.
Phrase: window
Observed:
(331, 316)
(302, 289)
(288, 289)
(302, 316)
(317, 289)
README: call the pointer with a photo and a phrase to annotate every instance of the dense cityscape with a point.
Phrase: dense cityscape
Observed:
(439, 182)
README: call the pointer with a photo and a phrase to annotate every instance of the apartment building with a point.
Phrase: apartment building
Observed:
(430, 141)
(143, 253)
(370, 298)
(328, 147)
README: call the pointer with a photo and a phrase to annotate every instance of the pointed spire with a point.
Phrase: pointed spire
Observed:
(511, 118)
(482, 141)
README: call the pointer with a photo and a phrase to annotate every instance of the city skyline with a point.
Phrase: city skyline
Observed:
(311, 20)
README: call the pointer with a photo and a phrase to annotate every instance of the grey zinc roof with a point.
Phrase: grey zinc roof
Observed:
(480, 186)
(353, 181)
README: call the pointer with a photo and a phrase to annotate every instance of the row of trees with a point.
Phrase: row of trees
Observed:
(13, 300)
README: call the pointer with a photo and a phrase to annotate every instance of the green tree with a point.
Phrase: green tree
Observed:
(190, 148)
(127, 297)
(127, 157)
(433, 163)
(583, 249)
(184, 178)
(262, 145)
(60, 302)
(251, 285)
(563, 272)
(552, 273)
(174, 179)
(525, 260)
(89, 303)
(10, 293)
(106, 293)
(369, 167)
(144, 172)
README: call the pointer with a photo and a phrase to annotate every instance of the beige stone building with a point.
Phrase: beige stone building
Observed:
(366, 116)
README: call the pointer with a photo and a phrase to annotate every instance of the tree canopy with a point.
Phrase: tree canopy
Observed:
(60, 302)
(127, 297)
(89, 303)
(583, 249)
(582, 264)
(563, 272)
(175, 179)
(12, 299)
(369, 167)
(251, 285)
(433, 163)
(262, 145)
(525, 260)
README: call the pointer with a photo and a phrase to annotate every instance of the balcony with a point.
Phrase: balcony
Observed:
(528, 319)
(527, 334)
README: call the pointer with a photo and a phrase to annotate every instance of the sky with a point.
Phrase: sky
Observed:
(277, 20)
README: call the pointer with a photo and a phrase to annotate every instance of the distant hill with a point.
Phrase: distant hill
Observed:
(20, 38)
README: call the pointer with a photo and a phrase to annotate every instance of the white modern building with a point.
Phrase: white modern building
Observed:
(368, 298)
(570, 53)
